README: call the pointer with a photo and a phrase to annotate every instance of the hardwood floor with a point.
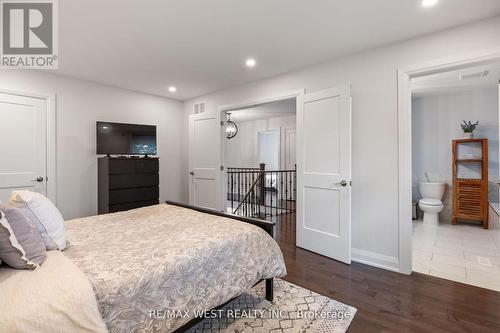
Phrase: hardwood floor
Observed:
(387, 301)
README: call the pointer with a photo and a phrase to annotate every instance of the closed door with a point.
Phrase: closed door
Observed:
(324, 173)
(204, 160)
(23, 137)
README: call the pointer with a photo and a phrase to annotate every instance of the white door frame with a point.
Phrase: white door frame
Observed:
(297, 94)
(283, 154)
(50, 100)
(405, 74)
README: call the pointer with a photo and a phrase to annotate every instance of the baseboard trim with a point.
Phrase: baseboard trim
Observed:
(375, 259)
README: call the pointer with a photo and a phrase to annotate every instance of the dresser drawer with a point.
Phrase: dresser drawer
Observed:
(132, 205)
(127, 166)
(123, 181)
(145, 165)
(133, 195)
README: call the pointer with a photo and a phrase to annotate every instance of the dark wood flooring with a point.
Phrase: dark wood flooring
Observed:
(387, 301)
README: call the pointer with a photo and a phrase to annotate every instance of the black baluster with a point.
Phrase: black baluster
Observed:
(232, 191)
(258, 200)
(271, 186)
(244, 195)
(239, 186)
(281, 189)
(286, 187)
(295, 185)
(251, 197)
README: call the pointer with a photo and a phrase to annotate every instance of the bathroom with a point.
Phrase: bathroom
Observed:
(455, 168)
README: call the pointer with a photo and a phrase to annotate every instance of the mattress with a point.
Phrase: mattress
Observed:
(168, 260)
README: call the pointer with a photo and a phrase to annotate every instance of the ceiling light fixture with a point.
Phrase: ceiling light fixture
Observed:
(172, 89)
(429, 3)
(231, 128)
(250, 62)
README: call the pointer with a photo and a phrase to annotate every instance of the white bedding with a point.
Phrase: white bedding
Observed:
(165, 257)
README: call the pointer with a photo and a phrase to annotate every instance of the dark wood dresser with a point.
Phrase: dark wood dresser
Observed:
(127, 183)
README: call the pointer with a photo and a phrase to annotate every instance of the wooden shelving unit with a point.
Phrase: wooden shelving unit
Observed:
(470, 196)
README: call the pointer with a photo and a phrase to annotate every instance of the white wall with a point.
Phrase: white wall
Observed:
(373, 76)
(436, 121)
(79, 105)
(243, 151)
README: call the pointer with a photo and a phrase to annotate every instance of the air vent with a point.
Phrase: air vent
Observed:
(476, 75)
(199, 108)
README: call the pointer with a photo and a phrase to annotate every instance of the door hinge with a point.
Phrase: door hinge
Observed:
(350, 183)
(221, 168)
(221, 123)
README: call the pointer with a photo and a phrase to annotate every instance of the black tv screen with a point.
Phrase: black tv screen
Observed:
(125, 139)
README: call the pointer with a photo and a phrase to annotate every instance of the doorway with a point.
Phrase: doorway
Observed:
(269, 148)
(322, 178)
(258, 184)
(453, 235)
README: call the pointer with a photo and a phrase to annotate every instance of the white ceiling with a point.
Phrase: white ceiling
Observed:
(451, 81)
(264, 111)
(200, 46)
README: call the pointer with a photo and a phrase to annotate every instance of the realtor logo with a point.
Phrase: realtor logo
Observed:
(29, 34)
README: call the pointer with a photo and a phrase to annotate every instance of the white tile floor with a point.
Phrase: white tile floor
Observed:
(463, 253)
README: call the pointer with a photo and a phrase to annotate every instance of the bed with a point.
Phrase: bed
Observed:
(170, 258)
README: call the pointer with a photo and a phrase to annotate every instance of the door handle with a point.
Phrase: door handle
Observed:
(341, 183)
(38, 179)
(191, 173)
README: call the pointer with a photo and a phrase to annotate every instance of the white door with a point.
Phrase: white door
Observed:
(204, 160)
(23, 138)
(324, 173)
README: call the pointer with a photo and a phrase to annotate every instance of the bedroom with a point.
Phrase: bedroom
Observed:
(109, 72)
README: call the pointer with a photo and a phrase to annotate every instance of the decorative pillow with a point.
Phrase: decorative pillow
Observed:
(20, 243)
(46, 217)
(55, 298)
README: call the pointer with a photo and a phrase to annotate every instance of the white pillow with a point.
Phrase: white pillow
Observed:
(46, 217)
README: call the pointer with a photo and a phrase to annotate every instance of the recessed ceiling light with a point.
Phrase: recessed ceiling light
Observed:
(250, 62)
(172, 89)
(429, 3)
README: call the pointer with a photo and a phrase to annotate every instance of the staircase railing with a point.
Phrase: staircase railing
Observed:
(257, 192)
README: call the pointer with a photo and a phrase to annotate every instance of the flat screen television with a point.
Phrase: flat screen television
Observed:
(125, 139)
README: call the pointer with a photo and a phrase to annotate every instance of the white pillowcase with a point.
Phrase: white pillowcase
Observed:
(46, 217)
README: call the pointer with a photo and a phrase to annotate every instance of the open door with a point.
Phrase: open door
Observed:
(324, 173)
(204, 160)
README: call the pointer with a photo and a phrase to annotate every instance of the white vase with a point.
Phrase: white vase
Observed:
(468, 135)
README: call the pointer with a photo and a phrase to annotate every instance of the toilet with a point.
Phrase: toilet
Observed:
(431, 203)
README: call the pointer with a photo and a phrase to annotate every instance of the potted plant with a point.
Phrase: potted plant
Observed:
(468, 127)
